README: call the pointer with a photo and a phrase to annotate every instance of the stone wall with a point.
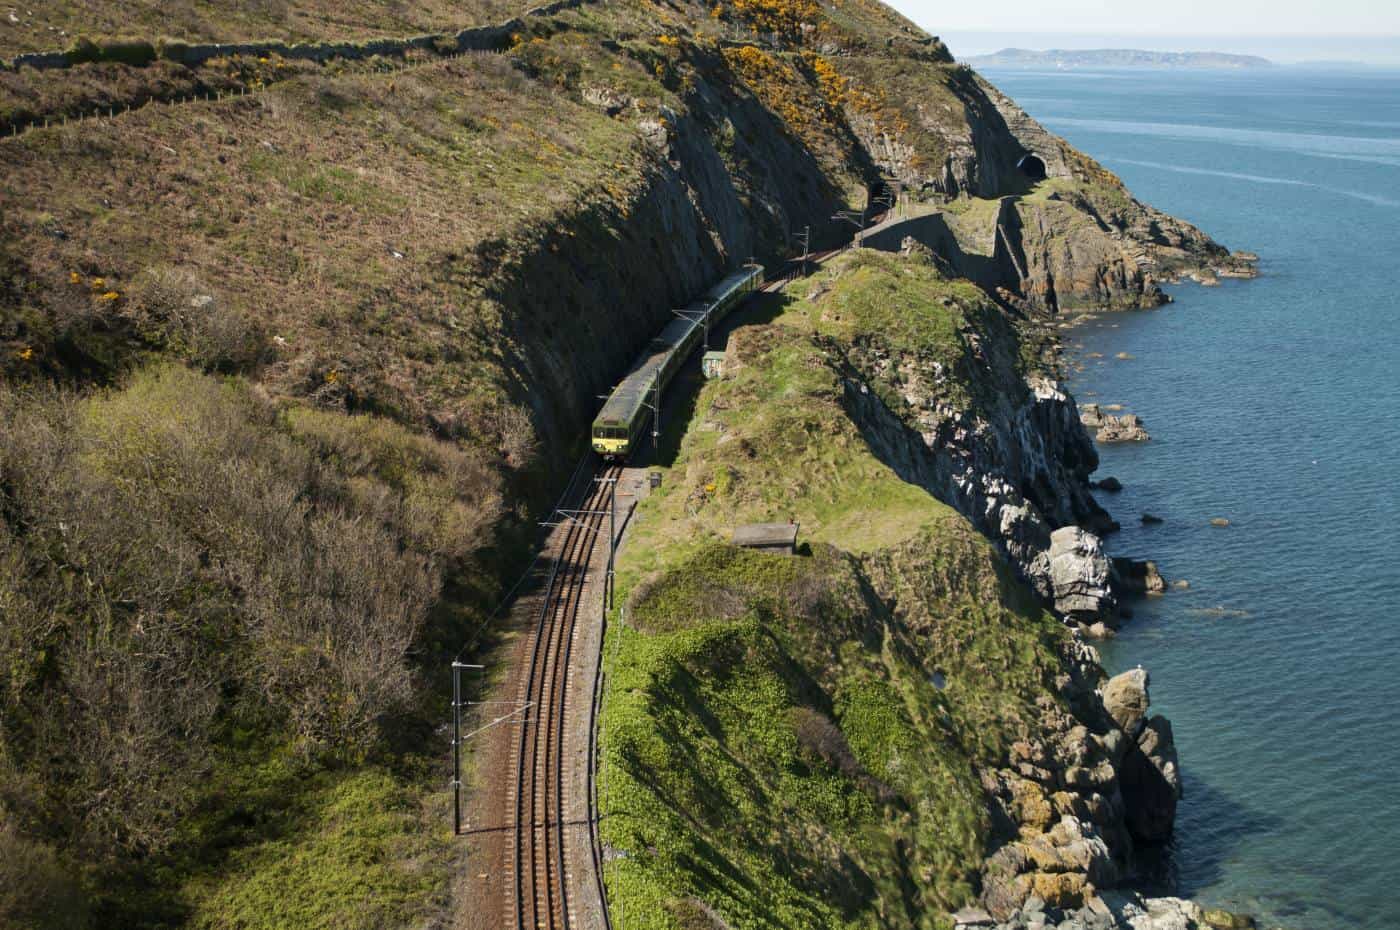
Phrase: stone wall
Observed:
(477, 38)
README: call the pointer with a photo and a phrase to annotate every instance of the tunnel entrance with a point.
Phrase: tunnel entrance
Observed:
(1032, 166)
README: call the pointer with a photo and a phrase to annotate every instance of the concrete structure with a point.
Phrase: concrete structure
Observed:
(712, 363)
(775, 538)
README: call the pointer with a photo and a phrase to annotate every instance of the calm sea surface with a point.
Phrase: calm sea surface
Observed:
(1274, 403)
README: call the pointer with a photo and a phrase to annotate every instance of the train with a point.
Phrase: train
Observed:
(621, 423)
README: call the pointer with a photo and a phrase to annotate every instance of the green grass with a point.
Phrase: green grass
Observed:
(361, 855)
(774, 749)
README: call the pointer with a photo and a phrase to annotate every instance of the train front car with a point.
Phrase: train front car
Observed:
(610, 440)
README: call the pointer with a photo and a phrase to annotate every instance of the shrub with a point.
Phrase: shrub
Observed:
(174, 560)
(135, 52)
(36, 891)
(170, 308)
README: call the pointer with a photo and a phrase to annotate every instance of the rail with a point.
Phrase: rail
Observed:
(540, 848)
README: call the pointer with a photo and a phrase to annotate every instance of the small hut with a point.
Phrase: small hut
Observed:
(712, 363)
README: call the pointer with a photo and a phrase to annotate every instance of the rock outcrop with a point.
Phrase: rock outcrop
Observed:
(1131, 576)
(1080, 575)
(1125, 428)
(1150, 780)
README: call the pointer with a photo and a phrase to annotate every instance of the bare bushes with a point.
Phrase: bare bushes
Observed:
(442, 497)
(169, 308)
(177, 558)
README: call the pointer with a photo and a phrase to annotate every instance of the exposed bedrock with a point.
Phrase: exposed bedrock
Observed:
(697, 213)
(1151, 782)
(1016, 460)
(1076, 800)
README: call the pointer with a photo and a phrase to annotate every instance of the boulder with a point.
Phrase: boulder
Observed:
(1218, 918)
(1219, 521)
(1108, 483)
(972, 917)
(1080, 576)
(1126, 699)
(1149, 518)
(1091, 416)
(1159, 745)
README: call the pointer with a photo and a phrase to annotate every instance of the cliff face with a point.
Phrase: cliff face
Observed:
(982, 426)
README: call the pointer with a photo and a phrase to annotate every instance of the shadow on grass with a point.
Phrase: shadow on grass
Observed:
(679, 405)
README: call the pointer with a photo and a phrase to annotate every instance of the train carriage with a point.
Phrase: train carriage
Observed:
(622, 422)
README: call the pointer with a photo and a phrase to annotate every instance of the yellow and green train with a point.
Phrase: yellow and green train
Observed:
(623, 419)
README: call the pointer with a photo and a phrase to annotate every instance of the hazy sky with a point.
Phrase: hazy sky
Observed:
(1285, 31)
(1179, 17)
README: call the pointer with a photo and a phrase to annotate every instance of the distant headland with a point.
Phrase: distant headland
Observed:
(1112, 58)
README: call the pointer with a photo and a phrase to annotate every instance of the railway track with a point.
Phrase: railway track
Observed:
(541, 845)
(545, 843)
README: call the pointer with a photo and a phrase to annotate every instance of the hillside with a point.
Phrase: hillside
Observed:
(294, 349)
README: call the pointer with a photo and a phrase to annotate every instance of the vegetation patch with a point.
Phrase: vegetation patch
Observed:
(215, 613)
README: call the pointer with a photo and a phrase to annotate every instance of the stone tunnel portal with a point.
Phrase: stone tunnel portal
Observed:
(1032, 166)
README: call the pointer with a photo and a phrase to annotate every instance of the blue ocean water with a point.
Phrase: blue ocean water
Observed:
(1273, 403)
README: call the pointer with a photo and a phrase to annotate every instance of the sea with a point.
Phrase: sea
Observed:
(1273, 404)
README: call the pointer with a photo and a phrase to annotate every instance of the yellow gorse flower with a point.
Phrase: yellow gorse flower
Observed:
(110, 295)
(25, 354)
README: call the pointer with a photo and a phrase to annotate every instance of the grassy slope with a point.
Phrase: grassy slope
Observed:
(309, 190)
(775, 749)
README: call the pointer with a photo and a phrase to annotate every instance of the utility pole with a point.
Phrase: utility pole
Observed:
(457, 744)
(806, 239)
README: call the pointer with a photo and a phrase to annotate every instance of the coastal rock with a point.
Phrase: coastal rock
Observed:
(1149, 519)
(1091, 415)
(1113, 910)
(1127, 428)
(1219, 521)
(1149, 776)
(1108, 483)
(1080, 575)
(1218, 918)
(1126, 699)
(1131, 576)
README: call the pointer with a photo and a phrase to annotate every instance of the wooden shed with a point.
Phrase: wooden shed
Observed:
(777, 538)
